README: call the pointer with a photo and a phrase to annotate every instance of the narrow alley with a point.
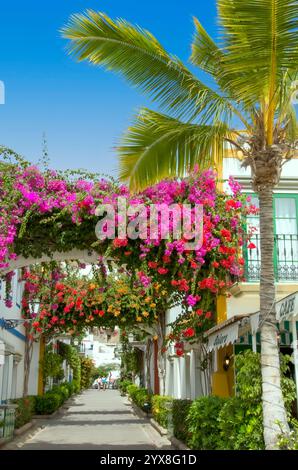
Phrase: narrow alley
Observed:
(94, 420)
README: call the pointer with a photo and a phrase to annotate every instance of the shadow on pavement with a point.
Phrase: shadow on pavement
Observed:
(86, 446)
(107, 422)
(93, 412)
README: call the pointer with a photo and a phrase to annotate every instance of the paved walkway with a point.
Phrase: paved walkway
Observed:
(96, 420)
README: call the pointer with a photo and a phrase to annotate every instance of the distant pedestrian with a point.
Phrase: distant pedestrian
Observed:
(99, 383)
(104, 383)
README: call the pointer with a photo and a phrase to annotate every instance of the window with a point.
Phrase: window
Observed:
(285, 240)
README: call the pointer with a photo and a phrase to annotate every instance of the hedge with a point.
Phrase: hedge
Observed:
(180, 412)
(203, 424)
(139, 396)
(48, 403)
(53, 399)
(24, 411)
(123, 384)
(161, 409)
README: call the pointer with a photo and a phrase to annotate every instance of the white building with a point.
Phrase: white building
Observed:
(101, 347)
(184, 378)
(12, 346)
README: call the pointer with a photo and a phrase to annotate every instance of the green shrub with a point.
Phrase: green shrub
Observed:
(70, 387)
(241, 425)
(71, 355)
(241, 419)
(161, 409)
(64, 391)
(202, 422)
(180, 412)
(290, 441)
(77, 385)
(87, 371)
(48, 403)
(131, 390)
(24, 411)
(139, 396)
(58, 391)
(123, 384)
(51, 366)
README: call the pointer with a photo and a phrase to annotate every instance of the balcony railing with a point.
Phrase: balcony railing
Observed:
(285, 259)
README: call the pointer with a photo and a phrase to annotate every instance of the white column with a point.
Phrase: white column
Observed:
(254, 342)
(177, 381)
(192, 375)
(170, 378)
(187, 376)
(2, 362)
(10, 376)
(183, 377)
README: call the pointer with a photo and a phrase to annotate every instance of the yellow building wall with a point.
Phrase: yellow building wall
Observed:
(222, 382)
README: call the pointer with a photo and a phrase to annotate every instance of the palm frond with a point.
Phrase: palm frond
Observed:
(260, 41)
(158, 146)
(204, 51)
(286, 119)
(140, 58)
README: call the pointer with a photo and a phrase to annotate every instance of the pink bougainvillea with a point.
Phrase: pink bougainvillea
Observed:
(36, 205)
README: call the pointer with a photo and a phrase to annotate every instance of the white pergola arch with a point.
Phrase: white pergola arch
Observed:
(86, 256)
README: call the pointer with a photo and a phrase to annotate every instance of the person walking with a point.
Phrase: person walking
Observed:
(99, 382)
(104, 383)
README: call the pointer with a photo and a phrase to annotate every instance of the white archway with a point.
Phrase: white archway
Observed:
(86, 256)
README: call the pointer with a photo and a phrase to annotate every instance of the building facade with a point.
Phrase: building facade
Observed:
(12, 346)
(237, 316)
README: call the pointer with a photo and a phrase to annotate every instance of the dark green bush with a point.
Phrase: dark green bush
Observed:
(202, 422)
(24, 411)
(131, 390)
(139, 396)
(48, 403)
(161, 409)
(70, 387)
(241, 425)
(289, 441)
(64, 391)
(53, 399)
(241, 419)
(87, 371)
(180, 412)
(123, 384)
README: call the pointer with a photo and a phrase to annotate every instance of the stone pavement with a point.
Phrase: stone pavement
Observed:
(95, 420)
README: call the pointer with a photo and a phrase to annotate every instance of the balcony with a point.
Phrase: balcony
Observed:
(285, 259)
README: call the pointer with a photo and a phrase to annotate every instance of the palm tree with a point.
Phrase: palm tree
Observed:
(248, 111)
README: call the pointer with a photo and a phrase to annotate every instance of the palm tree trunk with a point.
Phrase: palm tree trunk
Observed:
(161, 355)
(148, 356)
(274, 413)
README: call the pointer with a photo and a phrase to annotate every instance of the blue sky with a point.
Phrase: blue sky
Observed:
(81, 109)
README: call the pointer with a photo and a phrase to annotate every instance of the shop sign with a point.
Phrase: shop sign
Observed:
(222, 338)
(287, 307)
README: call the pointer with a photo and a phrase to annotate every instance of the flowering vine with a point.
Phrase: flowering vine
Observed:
(46, 211)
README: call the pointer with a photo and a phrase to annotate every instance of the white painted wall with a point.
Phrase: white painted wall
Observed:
(12, 372)
(100, 352)
(183, 376)
(232, 166)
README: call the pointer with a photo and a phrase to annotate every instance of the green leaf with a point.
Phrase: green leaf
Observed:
(142, 60)
(157, 146)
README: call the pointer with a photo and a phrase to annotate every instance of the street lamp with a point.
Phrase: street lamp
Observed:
(226, 362)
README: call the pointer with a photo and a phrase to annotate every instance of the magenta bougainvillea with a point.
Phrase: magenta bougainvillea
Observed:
(44, 212)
